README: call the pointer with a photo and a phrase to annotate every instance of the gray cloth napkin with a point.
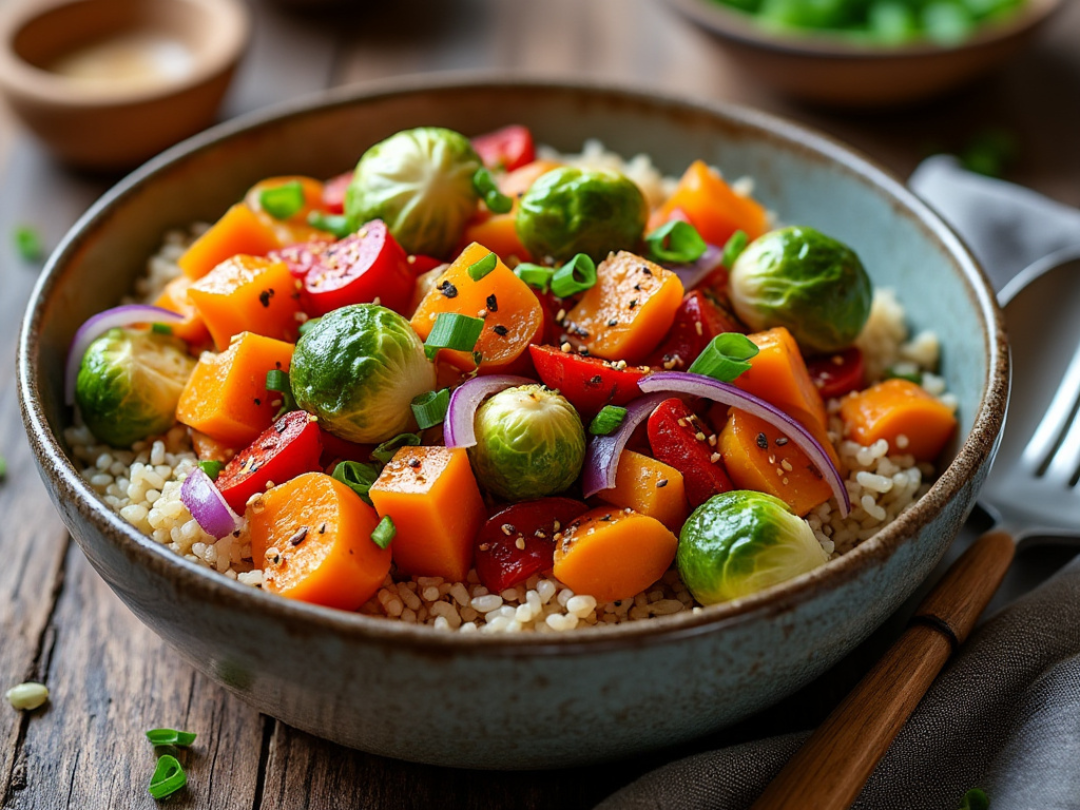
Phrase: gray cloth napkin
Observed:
(1004, 716)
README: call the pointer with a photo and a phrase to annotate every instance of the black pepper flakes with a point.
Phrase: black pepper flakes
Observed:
(633, 303)
(322, 529)
(265, 296)
(597, 380)
(637, 287)
(500, 330)
(661, 483)
(763, 441)
(492, 303)
(646, 270)
(414, 463)
(613, 322)
(298, 538)
(448, 289)
(258, 401)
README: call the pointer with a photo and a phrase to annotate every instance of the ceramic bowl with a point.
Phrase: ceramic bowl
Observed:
(525, 700)
(114, 123)
(833, 71)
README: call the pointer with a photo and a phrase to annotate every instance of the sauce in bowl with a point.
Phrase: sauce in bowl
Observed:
(134, 59)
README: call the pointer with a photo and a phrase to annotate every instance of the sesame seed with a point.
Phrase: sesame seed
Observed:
(681, 422)
(485, 546)
(698, 327)
(566, 347)
(298, 538)
(763, 441)
(786, 465)
(613, 322)
(781, 441)
(715, 457)
(493, 303)
(560, 315)
(508, 529)
(699, 436)
(520, 543)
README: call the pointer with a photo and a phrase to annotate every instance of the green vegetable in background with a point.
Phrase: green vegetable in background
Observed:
(742, 542)
(420, 183)
(806, 281)
(129, 384)
(569, 211)
(358, 369)
(530, 443)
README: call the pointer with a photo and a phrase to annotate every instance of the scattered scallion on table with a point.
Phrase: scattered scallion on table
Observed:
(27, 696)
(170, 736)
(168, 777)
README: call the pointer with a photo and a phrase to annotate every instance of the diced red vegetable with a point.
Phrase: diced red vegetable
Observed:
(333, 194)
(589, 383)
(366, 265)
(519, 541)
(837, 374)
(674, 433)
(335, 449)
(288, 448)
(697, 321)
(421, 264)
(508, 148)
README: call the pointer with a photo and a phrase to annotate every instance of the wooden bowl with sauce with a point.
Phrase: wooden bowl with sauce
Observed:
(107, 84)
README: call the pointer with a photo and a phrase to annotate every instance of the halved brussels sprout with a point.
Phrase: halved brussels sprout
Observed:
(530, 443)
(742, 542)
(592, 211)
(358, 369)
(802, 279)
(420, 183)
(129, 385)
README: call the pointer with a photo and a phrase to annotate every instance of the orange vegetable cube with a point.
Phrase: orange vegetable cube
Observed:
(294, 229)
(175, 299)
(629, 310)
(779, 376)
(247, 294)
(209, 449)
(436, 507)
(712, 207)
(650, 488)
(514, 184)
(611, 554)
(239, 231)
(312, 538)
(754, 460)
(226, 396)
(498, 232)
(514, 316)
(901, 413)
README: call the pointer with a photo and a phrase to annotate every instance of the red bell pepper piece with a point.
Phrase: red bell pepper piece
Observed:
(333, 194)
(336, 449)
(697, 321)
(508, 148)
(420, 263)
(837, 374)
(674, 437)
(286, 449)
(589, 383)
(518, 541)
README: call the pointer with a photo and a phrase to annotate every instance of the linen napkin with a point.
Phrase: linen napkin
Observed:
(1004, 715)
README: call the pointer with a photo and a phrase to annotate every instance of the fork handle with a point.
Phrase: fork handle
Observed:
(831, 768)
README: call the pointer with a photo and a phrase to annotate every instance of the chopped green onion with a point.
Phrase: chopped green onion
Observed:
(170, 736)
(385, 451)
(725, 357)
(336, 224)
(310, 322)
(675, 241)
(356, 476)
(453, 331)
(975, 799)
(495, 200)
(28, 244)
(481, 268)
(734, 247)
(282, 202)
(535, 275)
(430, 408)
(168, 777)
(607, 421)
(278, 382)
(161, 328)
(211, 468)
(577, 275)
(384, 533)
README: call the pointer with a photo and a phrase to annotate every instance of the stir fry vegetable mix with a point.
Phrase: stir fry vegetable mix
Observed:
(459, 356)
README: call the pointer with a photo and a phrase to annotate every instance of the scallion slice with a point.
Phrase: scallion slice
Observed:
(161, 328)
(453, 331)
(385, 451)
(577, 275)
(28, 244)
(168, 777)
(212, 470)
(734, 247)
(535, 275)
(607, 421)
(284, 201)
(278, 382)
(357, 476)
(336, 224)
(481, 268)
(675, 241)
(495, 200)
(725, 358)
(430, 408)
(170, 736)
(384, 533)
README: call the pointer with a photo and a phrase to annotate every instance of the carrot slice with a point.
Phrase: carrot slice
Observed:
(778, 375)
(650, 488)
(612, 554)
(312, 538)
(712, 207)
(497, 232)
(432, 497)
(901, 413)
(239, 231)
(294, 229)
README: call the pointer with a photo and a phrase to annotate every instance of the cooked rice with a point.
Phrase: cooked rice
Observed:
(143, 484)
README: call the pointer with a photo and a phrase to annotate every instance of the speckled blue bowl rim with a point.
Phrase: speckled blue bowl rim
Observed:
(207, 585)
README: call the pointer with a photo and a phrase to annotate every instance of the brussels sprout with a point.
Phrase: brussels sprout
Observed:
(804, 280)
(129, 384)
(358, 369)
(569, 211)
(420, 183)
(529, 443)
(742, 542)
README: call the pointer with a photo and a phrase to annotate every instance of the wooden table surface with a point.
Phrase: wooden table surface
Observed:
(111, 678)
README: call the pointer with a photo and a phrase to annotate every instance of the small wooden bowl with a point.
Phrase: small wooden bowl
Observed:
(830, 70)
(113, 124)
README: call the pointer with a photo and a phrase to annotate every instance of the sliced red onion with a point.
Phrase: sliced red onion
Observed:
(207, 505)
(694, 273)
(602, 454)
(459, 429)
(101, 323)
(682, 382)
